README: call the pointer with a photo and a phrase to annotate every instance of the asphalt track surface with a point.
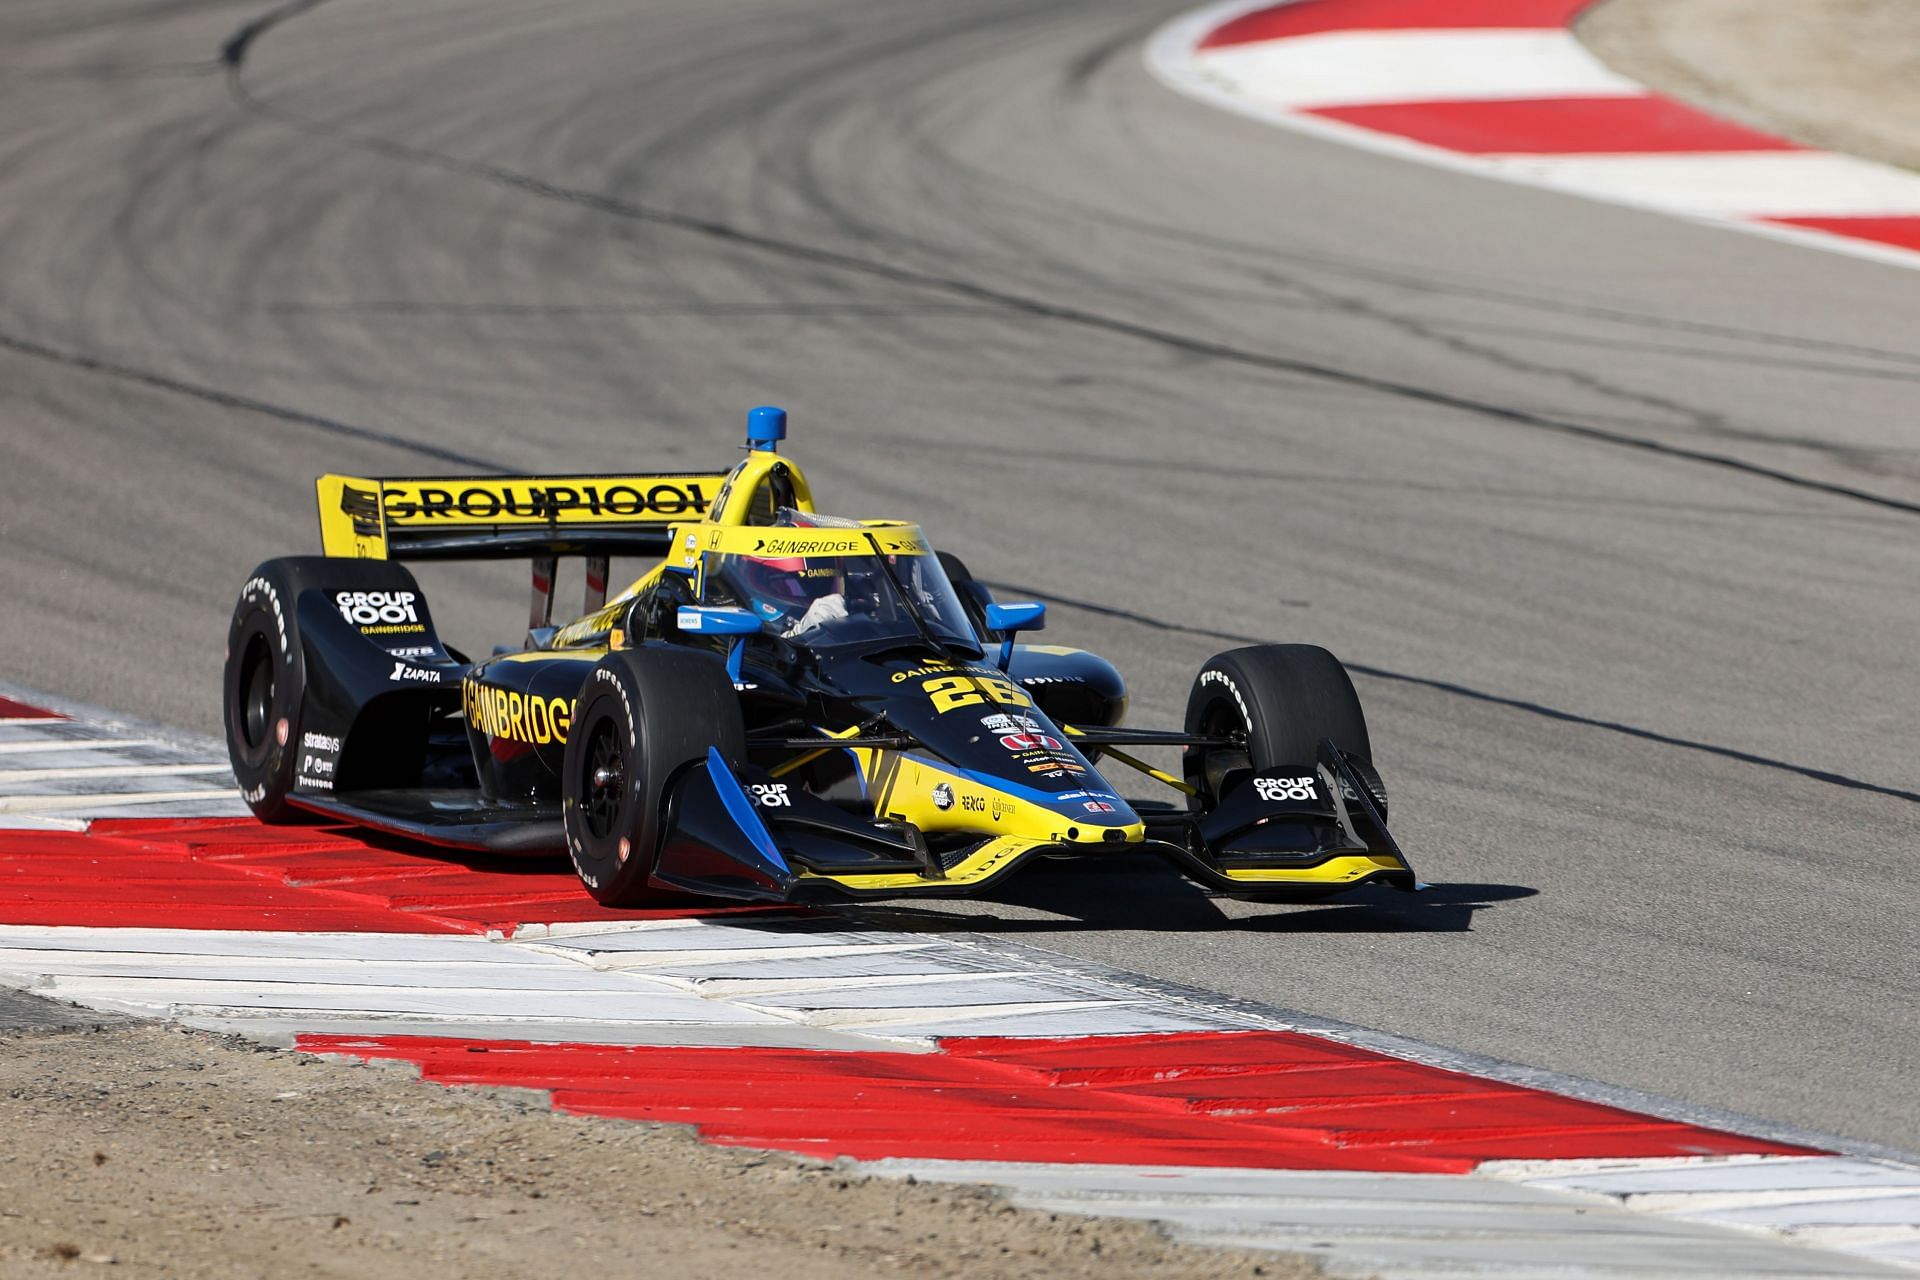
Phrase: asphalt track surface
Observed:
(1616, 518)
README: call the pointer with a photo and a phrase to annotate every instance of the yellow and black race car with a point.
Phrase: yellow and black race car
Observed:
(788, 706)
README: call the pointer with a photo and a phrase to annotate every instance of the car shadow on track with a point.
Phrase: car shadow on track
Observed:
(1143, 894)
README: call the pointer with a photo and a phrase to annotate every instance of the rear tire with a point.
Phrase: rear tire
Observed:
(644, 715)
(1281, 700)
(262, 689)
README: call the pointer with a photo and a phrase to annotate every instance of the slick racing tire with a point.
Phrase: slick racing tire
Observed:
(263, 686)
(1282, 699)
(644, 715)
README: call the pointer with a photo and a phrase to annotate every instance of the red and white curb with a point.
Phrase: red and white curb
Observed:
(1503, 89)
(1078, 1089)
(58, 771)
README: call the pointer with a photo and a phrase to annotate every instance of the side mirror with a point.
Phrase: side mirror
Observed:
(711, 620)
(1007, 619)
(1028, 615)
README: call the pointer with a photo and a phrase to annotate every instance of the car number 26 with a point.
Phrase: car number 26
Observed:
(951, 692)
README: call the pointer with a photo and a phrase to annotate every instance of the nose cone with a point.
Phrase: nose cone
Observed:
(1094, 806)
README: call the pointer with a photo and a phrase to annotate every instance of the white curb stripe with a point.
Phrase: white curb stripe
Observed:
(50, 745)
(106, 772)
(106, 802)
(1429, 1226)
(1364, 68)
(1774, 184)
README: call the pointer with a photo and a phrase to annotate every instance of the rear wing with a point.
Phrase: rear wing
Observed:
(542, 518)
(509, 517)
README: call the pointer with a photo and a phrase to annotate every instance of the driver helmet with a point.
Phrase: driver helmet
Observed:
(784, 586)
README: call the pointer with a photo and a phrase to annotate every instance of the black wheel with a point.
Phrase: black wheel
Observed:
(974, 597)
(643, 716)
(261, 692)
(1276, 701)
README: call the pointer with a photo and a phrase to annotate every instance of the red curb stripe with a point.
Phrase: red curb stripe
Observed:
(11, 710)
(1901, 232)
(1548, 126)
(1311, 17)
(236, 873)
(1223, 1099)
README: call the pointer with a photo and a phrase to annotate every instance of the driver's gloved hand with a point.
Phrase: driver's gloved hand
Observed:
(826, 609)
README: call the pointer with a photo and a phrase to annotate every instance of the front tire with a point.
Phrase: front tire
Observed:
(1278, 701)
(644, 716)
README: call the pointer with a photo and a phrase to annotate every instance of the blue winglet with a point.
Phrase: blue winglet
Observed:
(741, 809)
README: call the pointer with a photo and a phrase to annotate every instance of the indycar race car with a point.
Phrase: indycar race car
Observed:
(789, 706)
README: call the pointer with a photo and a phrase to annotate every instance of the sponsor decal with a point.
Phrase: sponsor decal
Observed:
(1031, 742)
(929, 669)
(900, 544)
(778, 546)
(1280, 789)
(363, 505)
(401, 671)
(770, 795)
(524, 500)
(516, 716)
(1013, 850)
(1223, 679)
(416, 651)
(1000, 723)
(320, 742)
(1002, 807)
(263, 587)
(943, 797)
(1055, 768)
(937, 667)
(368, 608)
(254, 795)
(974, 804)
(1096, 806)
(1086, 795)
(1036, 680)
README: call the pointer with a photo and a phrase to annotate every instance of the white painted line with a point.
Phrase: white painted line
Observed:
(108, 800)
(1359, 68)
(1749, 184)
(77, 744)
(33, 822)
(1398, 1225)
(736, 988)
(317, 1003)
(924, 1016)
(691, 959)
(107, 772)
